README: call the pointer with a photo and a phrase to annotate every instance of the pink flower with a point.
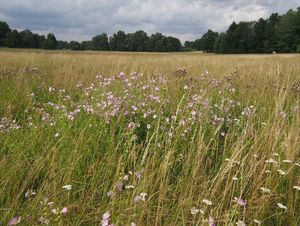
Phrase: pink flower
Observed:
(131, 125)
(240, 201)
(64, 210)
(138, 175)
(126, 177)
(14, 221)
(110, 194)
(120, 186)
(105, 219)
(211, 221)
(137, 198)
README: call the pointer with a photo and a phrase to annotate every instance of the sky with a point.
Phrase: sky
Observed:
(185, 19)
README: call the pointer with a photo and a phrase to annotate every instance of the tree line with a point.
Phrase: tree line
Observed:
(279, 33)
(119, 41)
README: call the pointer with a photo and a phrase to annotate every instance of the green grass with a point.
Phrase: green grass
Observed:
(204, 134)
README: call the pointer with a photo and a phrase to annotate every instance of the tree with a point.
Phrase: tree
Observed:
(62, 45)
(220, 42)
(259, 36)
(208, 41)
(4, 30)
(27, 39)
(172, 44)
(100, 42)
(118, 41)
(86, 45)
(155, 43)
(73, 45)
(50, 42)
(137, 41)
(13, 39)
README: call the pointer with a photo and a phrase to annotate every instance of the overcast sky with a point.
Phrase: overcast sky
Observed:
(186, 19)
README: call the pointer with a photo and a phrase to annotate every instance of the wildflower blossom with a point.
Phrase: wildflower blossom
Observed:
(297, 187)
(14, 221)
(211, 221)
(265, 190)
(110, 194)
(143, 195)
(257, 222)
(281, 172)
(240, 201)
(240, 223)
(138, 175)
(126, 177)
(131, 125)
(281, 206)
(119, 186)
(207, 202)
(137, 198)
(67, 187)
(64, 210)
(105, 219)
(194, 211)
(271, 161)
(140, 197)
(129, 187)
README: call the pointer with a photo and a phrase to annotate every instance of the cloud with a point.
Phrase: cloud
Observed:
(185, 19)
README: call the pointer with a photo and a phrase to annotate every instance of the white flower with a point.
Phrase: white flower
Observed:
(265, 190)
(235, 178)
(56, 135)
(143, 196)
(297, 187)
(67, 187)
(281, 206)
(281, 172)
(257, 222)
(271, 161)
(240, 223)
(194, 211)
(287, 161)
(54, 211)
(207, 202)
(129, 187)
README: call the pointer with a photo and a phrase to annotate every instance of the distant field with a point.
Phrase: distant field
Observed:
(89, 138)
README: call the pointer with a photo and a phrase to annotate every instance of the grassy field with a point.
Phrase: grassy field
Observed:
(90, 138)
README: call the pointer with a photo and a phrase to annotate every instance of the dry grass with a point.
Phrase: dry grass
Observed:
(195, 126)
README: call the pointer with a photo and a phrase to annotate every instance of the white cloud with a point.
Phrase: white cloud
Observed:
(185, 19)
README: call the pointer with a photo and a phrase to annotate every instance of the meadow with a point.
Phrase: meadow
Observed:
(107, 138)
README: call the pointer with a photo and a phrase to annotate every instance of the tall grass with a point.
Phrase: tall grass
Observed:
(215, 144)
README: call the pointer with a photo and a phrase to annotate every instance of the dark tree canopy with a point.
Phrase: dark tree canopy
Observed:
(118, 41)
(4, 29)
(50, 42)
(100, 42)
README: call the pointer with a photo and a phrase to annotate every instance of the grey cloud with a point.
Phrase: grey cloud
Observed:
(186, 19)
